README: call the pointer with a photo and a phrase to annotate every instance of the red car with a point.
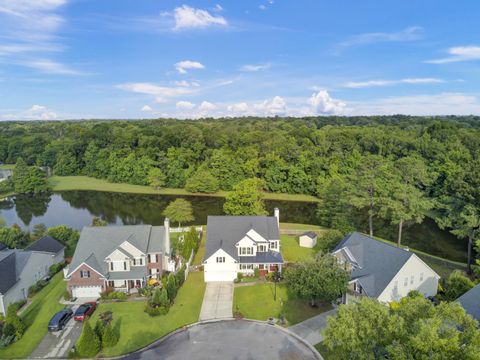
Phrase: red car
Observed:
(84, 311)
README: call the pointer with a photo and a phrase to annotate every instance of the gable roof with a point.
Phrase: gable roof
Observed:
(310, 234)
(96, 243)
(46, 244)
(470, 301)
(223, 232)
(12, 263)
(376, 262)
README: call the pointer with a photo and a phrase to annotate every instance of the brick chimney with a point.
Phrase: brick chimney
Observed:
(166, 225)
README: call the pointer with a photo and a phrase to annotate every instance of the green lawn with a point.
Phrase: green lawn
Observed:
(137, 329)
(302, 227)
(64, 183)
(292, 252)
(198, 258)
(256, 302)
(44, 305)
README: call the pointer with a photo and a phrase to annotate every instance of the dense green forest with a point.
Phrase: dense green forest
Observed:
(397, 168)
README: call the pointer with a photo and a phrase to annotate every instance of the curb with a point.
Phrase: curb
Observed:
(186, 327)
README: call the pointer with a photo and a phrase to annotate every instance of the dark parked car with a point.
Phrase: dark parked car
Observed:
(60, 319)
(84, 311)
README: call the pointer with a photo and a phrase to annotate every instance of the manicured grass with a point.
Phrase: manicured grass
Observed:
(302, 227)
(44, 305)
(65, 183)
(138, 330)
(198, 258)
(292, 252)
(256, 302)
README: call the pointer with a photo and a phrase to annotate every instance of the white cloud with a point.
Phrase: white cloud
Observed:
(254, 68)
(436, 104)
(276, 106)
(206, 107)
(185, 65)
(161, 93)
(218, 8)
(322, 103)
(36, 112)
(240, 108)
(187, 17)
(146, 108)
(380, 83)
(50, 67)
(185, 83)
(459, 53)
(184, 105)
(408, 34)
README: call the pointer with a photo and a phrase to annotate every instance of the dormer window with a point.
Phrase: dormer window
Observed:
(137, 262)
(262, 248)
(246, 251)
(273, 245)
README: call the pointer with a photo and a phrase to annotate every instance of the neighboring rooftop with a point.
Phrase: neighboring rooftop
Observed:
(12, 262)
(46, 244)
(223, 232)
(96, 243)
(470, 301)
(3, 246)
(376, 262)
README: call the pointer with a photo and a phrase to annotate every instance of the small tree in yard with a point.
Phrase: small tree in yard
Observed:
(180, 211)
(456, 285)
(171, 287)
(89, 344)
(110, 337)
(323, 279)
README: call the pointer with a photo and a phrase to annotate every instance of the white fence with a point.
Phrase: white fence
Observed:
(184, 229)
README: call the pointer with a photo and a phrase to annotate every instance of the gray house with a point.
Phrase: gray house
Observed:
(470, 301)
(50, 245)
(19, 270)
(383, 271)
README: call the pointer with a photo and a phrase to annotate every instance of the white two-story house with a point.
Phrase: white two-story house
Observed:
(383, 271)
(118, 257)
(241, 244)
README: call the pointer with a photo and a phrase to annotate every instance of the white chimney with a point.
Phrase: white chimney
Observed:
(276, 213)
(166, 225)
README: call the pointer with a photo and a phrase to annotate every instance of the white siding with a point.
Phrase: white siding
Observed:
(131, 249)
(414, 268)
(225, 271)
(307, 241)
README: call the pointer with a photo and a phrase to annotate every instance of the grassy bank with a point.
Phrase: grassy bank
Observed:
(65, 183)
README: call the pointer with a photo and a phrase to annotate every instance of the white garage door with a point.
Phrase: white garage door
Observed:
(211, 276)
(86, 291)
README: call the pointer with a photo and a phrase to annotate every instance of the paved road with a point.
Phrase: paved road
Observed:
(229, 340)
(58, 344)
(310, 329)
(217, 301)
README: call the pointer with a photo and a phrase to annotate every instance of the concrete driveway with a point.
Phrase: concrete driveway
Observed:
(310, 329)
(217, 301)
(58, 344)
(229, 340)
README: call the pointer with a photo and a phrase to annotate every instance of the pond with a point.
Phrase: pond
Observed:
(77, 208)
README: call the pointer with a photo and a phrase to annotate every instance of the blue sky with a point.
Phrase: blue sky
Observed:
(71, 59)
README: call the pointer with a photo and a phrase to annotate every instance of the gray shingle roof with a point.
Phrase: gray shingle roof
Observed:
(2, 246)
(136, 272)
(96, 243)
(272, 257)
(470, 301)
(310, 234)
(46, 244)
(12, 263)
(378, 262)
(223, 232)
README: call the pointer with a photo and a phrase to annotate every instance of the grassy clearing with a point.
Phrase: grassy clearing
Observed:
(256, 302)
(65, 183)
(138, 330)
(302, 227)
(44, 305)
(292, 252)
(198, 258)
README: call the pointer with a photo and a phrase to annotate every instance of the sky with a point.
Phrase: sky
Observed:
(126, 59)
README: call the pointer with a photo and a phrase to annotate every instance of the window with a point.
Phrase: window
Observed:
(262, 248)
(220, 259)
(111, 266)
(411, 279)
(149, 258)
(157, 258)
(138, 262)
(124, 265)
(246, 266)
(84, 274)
(246, 251)
(421, 277)
(405, 283)
(273, 245)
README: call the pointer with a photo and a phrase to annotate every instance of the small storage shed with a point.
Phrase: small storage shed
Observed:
(308, 239)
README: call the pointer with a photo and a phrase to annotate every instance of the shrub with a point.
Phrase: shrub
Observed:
(55, 268)
(99, 329)
(155, 311)
(110, 337)
(35, 288)
(171, 287)
(239, 277)
(180, 276)
(329, 240)
(256, 272)
(13, 323)
(456, 285)
(89, 344)
(113, 295)
(106, 317)
(155, 300)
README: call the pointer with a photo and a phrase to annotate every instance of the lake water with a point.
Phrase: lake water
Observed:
(77, 208)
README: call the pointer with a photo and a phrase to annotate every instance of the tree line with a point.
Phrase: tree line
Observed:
(397, 168)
